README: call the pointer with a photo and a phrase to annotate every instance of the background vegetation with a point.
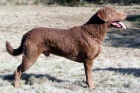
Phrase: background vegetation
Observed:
(67, 2)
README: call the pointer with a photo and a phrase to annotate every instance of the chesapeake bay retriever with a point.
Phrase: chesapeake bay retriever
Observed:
(81, 43)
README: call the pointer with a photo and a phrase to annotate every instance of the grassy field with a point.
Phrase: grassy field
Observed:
(116, 70)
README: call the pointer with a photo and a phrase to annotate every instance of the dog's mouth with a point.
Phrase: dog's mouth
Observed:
(118, 24)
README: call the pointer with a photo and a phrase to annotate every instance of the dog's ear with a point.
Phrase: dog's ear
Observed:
(102, 14)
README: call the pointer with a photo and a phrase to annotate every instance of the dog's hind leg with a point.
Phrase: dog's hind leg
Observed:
(28, 60)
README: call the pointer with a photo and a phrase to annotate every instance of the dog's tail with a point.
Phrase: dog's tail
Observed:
(15, 52)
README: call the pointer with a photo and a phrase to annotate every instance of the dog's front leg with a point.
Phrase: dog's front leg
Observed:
(88, 71)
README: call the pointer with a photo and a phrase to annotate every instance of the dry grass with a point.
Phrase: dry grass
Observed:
(116, 70)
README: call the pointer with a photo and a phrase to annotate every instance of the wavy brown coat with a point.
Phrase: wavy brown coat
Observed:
(80, 43)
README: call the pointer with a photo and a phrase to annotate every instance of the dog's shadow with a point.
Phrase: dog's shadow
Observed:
(30, 79)
(33, 78)
(129, 71)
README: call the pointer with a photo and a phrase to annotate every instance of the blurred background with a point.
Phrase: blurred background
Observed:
(67, 2)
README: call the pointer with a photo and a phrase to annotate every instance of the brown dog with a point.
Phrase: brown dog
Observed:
(81, 43)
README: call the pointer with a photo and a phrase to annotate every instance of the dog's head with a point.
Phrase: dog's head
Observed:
(110, 15)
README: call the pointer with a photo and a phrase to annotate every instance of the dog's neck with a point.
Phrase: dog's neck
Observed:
(94, 20)
(96, 28)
